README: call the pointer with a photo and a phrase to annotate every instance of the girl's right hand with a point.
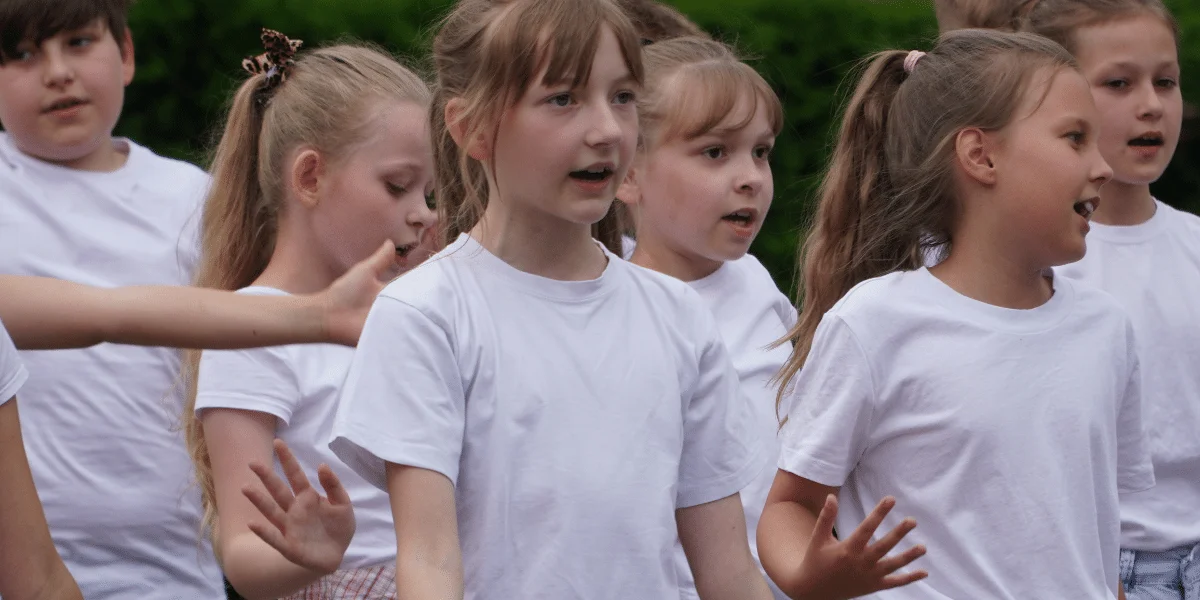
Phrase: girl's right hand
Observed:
(347, 301)
(835, 570)
(305, 528)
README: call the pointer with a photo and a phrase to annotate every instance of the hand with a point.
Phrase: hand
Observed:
(305, 528)
(834, 570)
(347, 301)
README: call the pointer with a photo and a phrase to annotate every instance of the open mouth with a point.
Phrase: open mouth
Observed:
(742, 217)
(1085, 208)
(1150, 140)
(403, 251)
(65, 104)
(597, 174)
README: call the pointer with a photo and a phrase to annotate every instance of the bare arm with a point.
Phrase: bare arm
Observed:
(428, 556)
(714, 539)
(30, 568)
(235, 439)
(43, 314)
(801, 555)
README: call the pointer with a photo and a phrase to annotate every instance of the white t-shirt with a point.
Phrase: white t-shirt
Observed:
(101, 424)
(574, 418)
(752, 314)
(12, 372)
(1005, 433)
(1153, 270)
(299, 384)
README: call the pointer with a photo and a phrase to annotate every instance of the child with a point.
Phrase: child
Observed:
(345, 164)
(45, 314)
(699, 190)
(987, 14)
(82, 206)
(530, 450)
(1147, 255)
(995, 402)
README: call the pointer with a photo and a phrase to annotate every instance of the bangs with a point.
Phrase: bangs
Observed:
(560, 37)
(35, 21)
(725, 84)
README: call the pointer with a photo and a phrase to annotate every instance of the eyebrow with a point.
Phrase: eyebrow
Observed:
(1166, 64)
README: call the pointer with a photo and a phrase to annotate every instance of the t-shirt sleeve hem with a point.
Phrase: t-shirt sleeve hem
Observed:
(10, 387)
(367, 455)
(803, 464)
(278, 409)
(711, 490)
(1136, 482)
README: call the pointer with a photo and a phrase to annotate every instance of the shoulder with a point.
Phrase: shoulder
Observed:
(1183, 220)
(172, 174)
(659, 289)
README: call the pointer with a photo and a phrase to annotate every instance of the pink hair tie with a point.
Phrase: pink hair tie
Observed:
(910, 61)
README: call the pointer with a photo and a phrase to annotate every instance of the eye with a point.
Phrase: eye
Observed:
(562, 100)
(430, 200)
(1077, 137)
(762, 152)
(625, 97)
(1116, 84)
(80, 41)
(714, 152)
(23, 54)
(1167, 83)
(394, 189)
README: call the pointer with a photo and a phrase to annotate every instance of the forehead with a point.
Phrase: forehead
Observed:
(1142, 39)
(1054, 95)
(396, 130)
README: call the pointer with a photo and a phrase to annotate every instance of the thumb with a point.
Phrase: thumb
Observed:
(382, 261)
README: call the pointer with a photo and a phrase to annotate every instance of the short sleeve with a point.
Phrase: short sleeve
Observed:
(403, 401)
(12, 371)
(721, 454)
(829, 408)
(258, 379)
(1135, 471)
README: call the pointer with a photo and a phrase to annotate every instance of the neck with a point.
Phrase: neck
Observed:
(106, 158)
(978, 272)
(539, 244)
(652, 253)
(1124, 204)
(295, 269)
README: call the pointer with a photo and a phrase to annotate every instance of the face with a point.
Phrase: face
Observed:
(704, 199)
(380, 191)
(1133, 68)
(61, 100)
(562, 152)
(1049, 170)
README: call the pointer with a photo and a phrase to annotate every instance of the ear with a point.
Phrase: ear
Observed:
(477, 147)
(127, 62)
(308, 170)
(630, 191)
(975, 153)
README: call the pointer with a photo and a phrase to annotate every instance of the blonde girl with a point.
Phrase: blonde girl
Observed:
(996, 403)
(699, 190)
(325, 156)
(547, 418)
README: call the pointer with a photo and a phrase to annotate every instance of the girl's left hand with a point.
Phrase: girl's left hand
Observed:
(307, 529)
(346, 302)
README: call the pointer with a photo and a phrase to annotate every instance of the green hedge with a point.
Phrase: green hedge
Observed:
(189, 55)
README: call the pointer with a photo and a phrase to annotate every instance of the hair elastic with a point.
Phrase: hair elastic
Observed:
(275, 63)
(910, 61)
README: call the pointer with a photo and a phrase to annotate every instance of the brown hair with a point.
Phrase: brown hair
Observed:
(888, 195)
(487, 53)
(38, 20)
(983, 14)
(656, 21)
(329, 102)
(1060, 19)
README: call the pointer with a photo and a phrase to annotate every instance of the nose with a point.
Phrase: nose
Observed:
(750, 177)
(605, 129)
(58, 71)
(1101, 172)
(1150, 104)
(423, 218)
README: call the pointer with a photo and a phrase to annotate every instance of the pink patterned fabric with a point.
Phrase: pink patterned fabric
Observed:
(375, 583)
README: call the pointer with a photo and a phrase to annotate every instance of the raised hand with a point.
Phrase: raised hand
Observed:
(348, 300)
(835, 570)
(307, 529)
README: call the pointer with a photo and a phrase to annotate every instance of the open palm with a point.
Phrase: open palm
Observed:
(307, 529)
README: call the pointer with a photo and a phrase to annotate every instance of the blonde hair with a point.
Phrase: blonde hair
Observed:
(983, 14)
(487, 52)
(328, 103)
(656, 21)
(888, 195)
(1060, 19)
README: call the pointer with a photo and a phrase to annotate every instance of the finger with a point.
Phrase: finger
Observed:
(866, 529)
(266, 506)
(823, 529)
(895, 581)
(291, 468)
(880, 549)
(381, 262)
(895, 563)
(275, 486)
(333, 486)
(272, 537)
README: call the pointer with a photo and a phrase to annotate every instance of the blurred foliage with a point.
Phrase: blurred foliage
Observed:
(189, 55)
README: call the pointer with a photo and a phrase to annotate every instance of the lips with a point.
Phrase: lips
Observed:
(64, 104)
(744, 217)
(596, 173)
(1085, 208)
(1151, 139)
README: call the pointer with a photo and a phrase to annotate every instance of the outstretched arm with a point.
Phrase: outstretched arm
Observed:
(43, 314)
